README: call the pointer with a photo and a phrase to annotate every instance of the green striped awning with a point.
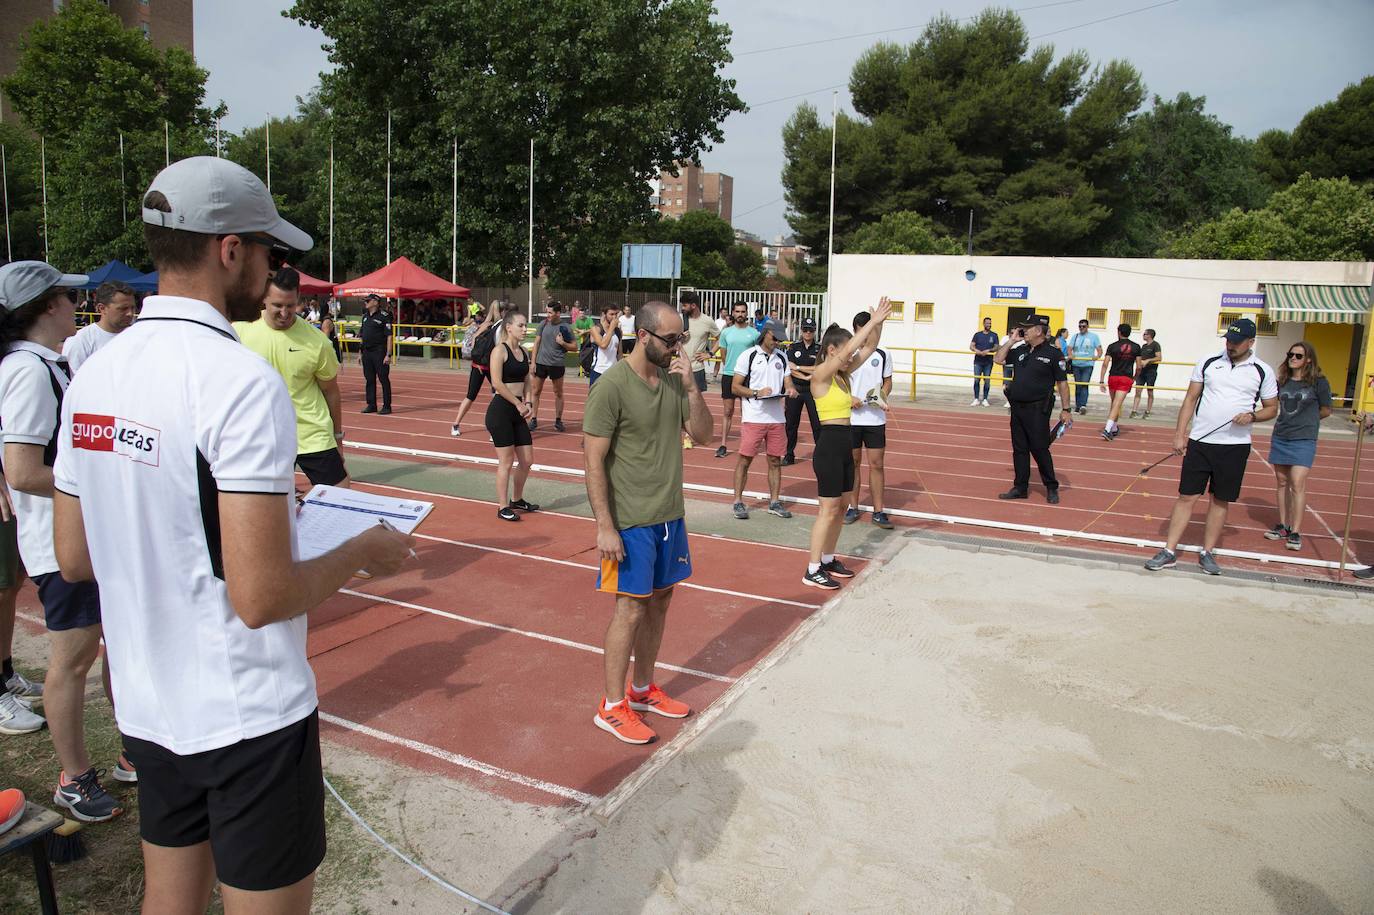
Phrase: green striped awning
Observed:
(1314, 304)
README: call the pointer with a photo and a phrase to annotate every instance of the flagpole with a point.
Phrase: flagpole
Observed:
(331, 210)
(453, 268)
(166, 144)
(123, 187)
(5, 183)
(530, 304)
(43, 160)
(830, 239)
(217, 143)
(269, 154)
(388, 185)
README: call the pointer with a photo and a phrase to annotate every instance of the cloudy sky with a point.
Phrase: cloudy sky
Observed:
(1260, 63)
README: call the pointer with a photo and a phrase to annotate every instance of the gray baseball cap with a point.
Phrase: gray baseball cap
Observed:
(22, 282)
(215, 196)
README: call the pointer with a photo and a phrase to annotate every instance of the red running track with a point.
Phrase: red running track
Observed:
(949, 463)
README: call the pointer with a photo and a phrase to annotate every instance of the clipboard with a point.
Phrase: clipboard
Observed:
(330, 516)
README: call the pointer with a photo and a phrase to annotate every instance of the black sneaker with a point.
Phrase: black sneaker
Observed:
(721, 452)
(384, 411)
(788, 460)
(1013, 494)
(368, 410)
(835, 569)
(506, 513)
(524, 506)
(1052, 497)
(1364, 574)
(818, 579)
(86, 798)
(1277, 532)
(558, 426)
(534, 425)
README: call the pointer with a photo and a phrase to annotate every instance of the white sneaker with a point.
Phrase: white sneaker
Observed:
(975, 402)
(985, 403)
(23, 687)
(17, 718)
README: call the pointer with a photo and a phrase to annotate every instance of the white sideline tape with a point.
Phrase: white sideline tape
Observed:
(1141, 542)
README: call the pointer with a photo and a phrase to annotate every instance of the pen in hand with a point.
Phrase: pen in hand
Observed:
(389, 526)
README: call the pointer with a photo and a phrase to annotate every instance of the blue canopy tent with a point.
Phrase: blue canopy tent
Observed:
(118, 270)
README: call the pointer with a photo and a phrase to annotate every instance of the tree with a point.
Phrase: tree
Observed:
(127, 87)
(610, 92)
(23, 187)
(969, 117)
(1316, 219)
(1188, 169)
(1336, 140)
(903, 232)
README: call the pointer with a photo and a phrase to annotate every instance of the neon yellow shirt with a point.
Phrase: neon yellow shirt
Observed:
(303, 357)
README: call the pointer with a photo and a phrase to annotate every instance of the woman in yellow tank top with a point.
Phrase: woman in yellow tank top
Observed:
(833, 459)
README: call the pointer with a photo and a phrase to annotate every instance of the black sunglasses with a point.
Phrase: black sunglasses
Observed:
(669, 342)
(1297, 355)
(277, 253)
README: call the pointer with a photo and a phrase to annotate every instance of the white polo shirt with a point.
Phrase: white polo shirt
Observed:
(29, 405)
(174, 411)
(863, 378)
(1229, 389)
(762, 370)
(84, 343)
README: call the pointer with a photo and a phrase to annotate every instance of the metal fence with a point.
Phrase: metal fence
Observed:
(791, 307)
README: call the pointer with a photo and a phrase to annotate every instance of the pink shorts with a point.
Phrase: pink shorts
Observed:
(771, 438)
(1117, 383)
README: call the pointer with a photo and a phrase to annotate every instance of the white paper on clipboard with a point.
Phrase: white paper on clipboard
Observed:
(330, 516)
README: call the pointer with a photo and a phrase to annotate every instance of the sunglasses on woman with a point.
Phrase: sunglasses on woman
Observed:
(1299, 356)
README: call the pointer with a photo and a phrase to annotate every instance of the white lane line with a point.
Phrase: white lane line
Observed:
(543, 637)
(1141, 542)
(1348, 551)
(465, 762)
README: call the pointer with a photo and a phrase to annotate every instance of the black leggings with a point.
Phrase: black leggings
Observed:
(833, 461)
(476, 375)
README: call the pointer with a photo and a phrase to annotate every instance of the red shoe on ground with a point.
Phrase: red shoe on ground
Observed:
(658, 702)
(11, 808)
(623, 723)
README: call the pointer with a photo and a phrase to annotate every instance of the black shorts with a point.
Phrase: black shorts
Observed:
(1147, 376)
(477, 374)
(67, 604)
(259, 803)
(833, 462)
(874, 438)
(549, 371)
(322, 467)
(1217, 468)
(727, 391)
(627, 344)
(505, 425)
(699, 376)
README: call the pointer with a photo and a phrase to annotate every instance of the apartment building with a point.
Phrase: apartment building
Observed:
(694, 188)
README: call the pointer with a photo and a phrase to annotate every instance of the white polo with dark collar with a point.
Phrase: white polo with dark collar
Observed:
(159, 422)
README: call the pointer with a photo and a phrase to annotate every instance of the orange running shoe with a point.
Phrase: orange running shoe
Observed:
(623, 723)
(658, 702)
(11, 808)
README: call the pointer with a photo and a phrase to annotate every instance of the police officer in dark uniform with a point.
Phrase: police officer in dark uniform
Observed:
(801, 359)
(376, 337)
(1039, 369)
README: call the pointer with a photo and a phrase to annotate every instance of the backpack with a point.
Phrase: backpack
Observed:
(482, 346)
(587, 357)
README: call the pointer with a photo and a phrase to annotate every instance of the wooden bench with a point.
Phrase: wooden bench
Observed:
(31, 830)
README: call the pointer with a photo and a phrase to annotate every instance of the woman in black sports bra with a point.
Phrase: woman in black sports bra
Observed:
(507, 418)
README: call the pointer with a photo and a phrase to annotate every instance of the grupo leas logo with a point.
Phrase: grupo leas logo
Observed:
(135, 441)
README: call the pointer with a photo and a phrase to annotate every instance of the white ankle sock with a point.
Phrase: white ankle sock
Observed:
(827, 557)
(607, 704)
(640, 690)
(812, 568)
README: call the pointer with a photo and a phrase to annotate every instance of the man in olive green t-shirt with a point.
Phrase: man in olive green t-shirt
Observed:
(635, 414)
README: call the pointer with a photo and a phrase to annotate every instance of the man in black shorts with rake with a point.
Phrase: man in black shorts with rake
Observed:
(1227, 394)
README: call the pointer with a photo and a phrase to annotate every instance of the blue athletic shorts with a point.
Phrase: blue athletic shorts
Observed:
(656, 558)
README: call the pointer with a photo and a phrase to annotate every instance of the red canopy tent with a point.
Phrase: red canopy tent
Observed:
(314, 286)
(403, 279)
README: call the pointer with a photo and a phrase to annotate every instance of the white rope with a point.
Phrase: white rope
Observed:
(417, 866)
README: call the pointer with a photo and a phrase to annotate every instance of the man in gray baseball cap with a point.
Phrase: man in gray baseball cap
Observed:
(181, 467)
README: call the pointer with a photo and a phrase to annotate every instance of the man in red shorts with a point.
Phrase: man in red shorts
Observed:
(1118, 375)
(758, 383)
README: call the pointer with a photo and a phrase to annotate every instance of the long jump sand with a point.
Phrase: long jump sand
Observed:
(975, 732)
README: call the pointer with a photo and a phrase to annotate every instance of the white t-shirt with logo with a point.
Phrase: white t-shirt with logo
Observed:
(764, 370)
(29, 416)
(863, 378)
(606, 356)
(84, 343)
(1227, 390)
(175, 411)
